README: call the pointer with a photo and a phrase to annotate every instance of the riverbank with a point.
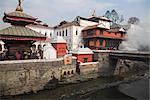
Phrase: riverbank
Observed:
(104, 87)
(83, 89)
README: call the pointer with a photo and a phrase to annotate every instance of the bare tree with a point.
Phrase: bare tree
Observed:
(114, 16)
(107, 14)
(121, 18)
(133, 20)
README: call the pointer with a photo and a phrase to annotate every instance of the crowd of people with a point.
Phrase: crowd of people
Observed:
(23, 55)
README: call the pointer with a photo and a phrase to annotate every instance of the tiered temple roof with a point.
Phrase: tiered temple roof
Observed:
(18, 31)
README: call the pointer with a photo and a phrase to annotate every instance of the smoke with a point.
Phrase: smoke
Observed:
(138, 38)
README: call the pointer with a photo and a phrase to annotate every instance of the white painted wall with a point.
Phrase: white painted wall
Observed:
(49, 52)
(67, 35)
(49, 32)
(105, 23)
(73, 39)
(87, 23)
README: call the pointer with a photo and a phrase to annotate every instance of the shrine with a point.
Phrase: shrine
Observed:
(17, 37)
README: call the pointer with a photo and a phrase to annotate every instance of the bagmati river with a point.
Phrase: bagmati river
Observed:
(140, 90)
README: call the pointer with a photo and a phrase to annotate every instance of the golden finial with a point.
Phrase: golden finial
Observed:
(19, 8)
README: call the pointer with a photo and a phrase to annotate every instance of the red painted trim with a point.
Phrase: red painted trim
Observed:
(20, 19)
(80, 57)
(21, 38)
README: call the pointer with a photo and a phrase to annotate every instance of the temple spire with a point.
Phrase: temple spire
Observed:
(94, 13)
(19, 8)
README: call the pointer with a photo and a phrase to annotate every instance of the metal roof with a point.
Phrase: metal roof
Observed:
(20, 15)
(20, 31)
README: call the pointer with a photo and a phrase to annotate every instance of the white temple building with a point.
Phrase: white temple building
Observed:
(49, 52)
(71, 31)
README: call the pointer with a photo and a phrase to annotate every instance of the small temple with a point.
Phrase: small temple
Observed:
(18, 37)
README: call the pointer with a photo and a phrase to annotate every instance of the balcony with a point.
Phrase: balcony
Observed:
(105, 34)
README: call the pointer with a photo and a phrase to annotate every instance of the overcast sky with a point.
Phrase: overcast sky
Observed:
(54, 11)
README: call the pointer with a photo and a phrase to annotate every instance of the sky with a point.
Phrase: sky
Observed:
(53, 12)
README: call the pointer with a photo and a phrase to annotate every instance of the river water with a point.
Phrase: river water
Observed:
(77, 92)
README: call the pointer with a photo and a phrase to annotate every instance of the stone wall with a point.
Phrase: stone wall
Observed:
(104, 63)
(109, 66)
(17, 77)
(89, 70)
(125, 67)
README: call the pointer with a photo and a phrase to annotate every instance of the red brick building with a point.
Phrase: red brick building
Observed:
(83, 54)
(60, 45)
(98, 37)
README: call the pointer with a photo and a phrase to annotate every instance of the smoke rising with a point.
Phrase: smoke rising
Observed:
(138, 38)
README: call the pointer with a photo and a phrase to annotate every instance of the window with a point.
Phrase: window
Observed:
(57, 33)
(101, 32)
(50, 34)
(101, 42)
(72, 72)
(85, 60)
(76, 32)
(65, 73)
(68, 72)
(107, 43)
(45, 33)
(66, 32)
(121, 35)
(63, 33)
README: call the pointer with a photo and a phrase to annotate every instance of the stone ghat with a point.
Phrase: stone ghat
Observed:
(18, 77)
(23, 76)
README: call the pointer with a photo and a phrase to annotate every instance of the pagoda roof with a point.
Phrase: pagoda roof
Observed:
(20, 14)
(39, 26)
(67, 24)
(97, 18)
(98, 26)
(116, 30)
(20, 31)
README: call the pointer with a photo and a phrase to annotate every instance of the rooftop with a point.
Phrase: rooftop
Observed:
(116, 30)
(82, 51)
(19, 14)
(58, 39)
(39, 26)
(98, 26)
(20, 31)
(66, 24)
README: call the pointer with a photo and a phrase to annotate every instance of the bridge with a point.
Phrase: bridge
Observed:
(109, 60)
(130, 55)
